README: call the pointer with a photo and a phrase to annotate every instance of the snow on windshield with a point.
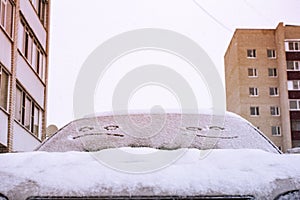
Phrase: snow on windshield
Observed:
(169, 131)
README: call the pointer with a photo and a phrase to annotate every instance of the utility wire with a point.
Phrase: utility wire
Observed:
(269, 20)
(212, 17)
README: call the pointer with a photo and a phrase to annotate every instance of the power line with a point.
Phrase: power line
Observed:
(212, 17)
(257, 11)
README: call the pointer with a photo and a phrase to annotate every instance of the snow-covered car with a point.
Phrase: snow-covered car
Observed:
(153, 156)
(294, 150)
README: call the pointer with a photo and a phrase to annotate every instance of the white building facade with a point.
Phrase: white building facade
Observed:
(24, 47)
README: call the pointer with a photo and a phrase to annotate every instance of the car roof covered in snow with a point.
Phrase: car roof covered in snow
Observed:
(159, 130)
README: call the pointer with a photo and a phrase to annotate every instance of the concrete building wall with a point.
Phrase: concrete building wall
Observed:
(23, 127)
(232, 71)
(237, 85)
(23, 140)
(30, 81)
(5, 50)
(282, 72)
(35, 24)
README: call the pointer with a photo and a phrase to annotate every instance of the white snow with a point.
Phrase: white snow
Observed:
(170, 131)
(242, 171)
(203, 111)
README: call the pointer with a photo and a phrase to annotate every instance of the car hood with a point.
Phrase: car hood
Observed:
(146, 171)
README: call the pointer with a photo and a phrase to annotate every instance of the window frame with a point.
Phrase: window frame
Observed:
(7, 17)
(275, 110)
(18, 102)
(251, 53)
(27, 113)
(27, 106)
(271, 53)
(35, 120)
(297, 101)
(3, 5)
(255, 109)
(291, 85)
(293, 46)
(40, 7)
(276, 94)
(253, 90)
(254, 72)
(7, 84)
(274, 73)
(32, 51)
(295, 65)
(277, 130)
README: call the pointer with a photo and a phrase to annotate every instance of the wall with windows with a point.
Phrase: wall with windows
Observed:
(292, 48)
(30, 14)
(30, 81)
(267, 82)
(6, 14)
(257, 81)
(28, 113)
(25, 24)
(6, 32)
(292, 45)
(31, 50)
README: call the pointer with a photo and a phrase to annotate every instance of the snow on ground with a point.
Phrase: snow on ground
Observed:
(242, 171)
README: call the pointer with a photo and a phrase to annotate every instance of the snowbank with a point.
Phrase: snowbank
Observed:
(195, 172)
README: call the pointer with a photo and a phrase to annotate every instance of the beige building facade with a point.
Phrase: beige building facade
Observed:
(24, 48)
(262, 75)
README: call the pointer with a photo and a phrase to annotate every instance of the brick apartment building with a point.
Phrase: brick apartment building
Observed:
(262, 75)
(24, 47)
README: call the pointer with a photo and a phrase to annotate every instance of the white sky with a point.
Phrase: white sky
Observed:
(78, 27)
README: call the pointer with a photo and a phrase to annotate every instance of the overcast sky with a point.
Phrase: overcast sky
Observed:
(78, 27)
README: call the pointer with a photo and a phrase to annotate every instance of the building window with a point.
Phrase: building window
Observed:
(40, 7)
(295, 125)
(276, 130)
(251, 53)
(4, 81)
(293, 65)
(18, 105)
(271, 53)
(294, 85)
(6, 16)
(294, 46)
(272, 72)
(27, 112)
(252, 72)
(295, 104)
(32, 51)
(28, 45)
(254, 111)
(253, 91)
(273, 91)
(275, 111)
(35, 120)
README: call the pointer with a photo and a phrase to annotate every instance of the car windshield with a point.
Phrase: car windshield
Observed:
(159, 131)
